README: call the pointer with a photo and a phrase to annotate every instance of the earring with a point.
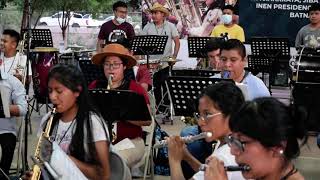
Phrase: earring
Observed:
(281, 151)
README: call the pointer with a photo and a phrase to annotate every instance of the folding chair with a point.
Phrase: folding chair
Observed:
(147, 159)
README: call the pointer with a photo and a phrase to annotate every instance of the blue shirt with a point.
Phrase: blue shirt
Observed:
(255, 86)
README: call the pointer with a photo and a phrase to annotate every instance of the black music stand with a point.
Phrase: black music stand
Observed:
(197, 73)
(185, 91)
(40, 38)
(149, 45)
(271, 52)
(91, 71)
(117, 105)
(196, 46)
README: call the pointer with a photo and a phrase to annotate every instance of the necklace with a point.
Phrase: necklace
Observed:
(4, 66)
(162, 26)
(65, 133)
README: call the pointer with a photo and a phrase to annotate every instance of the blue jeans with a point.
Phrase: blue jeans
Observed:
(199, 149)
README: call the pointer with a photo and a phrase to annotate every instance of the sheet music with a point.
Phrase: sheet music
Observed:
(64, 166)
(4, 102)
(123, 145)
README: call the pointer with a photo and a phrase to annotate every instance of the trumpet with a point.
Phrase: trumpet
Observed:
(45, 134)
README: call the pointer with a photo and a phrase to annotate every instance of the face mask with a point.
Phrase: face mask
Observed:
(226, 19)
(120, 20)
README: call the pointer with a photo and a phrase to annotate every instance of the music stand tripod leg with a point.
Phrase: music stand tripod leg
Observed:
(171, 104)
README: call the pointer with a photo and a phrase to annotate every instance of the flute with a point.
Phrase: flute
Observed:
(228, 168)
(187, 139)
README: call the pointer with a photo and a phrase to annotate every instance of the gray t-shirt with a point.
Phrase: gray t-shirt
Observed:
(308, 37)
(167, 29)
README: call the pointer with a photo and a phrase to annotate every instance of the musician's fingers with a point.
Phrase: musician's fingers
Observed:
(215, 169)
(209, 159)
(175, 147)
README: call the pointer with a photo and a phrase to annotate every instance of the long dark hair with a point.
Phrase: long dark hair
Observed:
(227, 97)
(71, 77)
(271, 123)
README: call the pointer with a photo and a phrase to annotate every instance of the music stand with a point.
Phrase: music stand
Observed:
(185, 92)
(117, 105)
(196, 46)
(39, 38)
(197, 73)
(91, 71)
(269, 51)
(149, 45)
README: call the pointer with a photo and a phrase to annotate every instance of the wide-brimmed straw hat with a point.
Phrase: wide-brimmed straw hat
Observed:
(114, 50)
(159, 7)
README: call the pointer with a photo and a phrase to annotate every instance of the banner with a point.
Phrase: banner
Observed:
(274, 18)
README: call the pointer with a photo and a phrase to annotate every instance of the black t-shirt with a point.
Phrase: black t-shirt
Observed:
(111, 32)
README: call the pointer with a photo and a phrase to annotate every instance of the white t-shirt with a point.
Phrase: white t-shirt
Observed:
(63, 132)
(10, 65)
(223, 153)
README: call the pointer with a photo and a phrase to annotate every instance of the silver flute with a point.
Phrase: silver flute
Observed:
(187, 139)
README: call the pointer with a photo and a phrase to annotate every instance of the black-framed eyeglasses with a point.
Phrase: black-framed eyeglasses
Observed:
(236, 143)
(199, 117)
(113, 66)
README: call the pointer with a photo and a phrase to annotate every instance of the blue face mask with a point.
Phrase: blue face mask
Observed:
(226, 19)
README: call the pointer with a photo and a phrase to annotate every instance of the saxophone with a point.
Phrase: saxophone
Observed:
(110, 82)
(45, 134)
(114, 135)
(20, 68)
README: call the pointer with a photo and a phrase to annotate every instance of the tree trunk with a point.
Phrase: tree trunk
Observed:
(24, 21)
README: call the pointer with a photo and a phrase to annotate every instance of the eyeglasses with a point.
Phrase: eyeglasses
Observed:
(113, 66)
(236, 143)
(206, 117)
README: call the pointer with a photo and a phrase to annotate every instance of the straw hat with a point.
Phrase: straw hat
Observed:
(114, 50)
(159, 7)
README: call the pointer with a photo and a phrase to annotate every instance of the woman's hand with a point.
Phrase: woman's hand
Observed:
(215, 169)
(175, 148)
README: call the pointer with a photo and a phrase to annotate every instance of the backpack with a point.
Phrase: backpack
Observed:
(161, 159)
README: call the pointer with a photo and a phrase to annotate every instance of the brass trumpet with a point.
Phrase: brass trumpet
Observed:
(45, 134)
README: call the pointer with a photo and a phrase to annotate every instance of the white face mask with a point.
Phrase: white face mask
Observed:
(226, 19)
(120, 20)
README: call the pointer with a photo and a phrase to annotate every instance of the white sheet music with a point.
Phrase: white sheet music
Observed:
(64, 166)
